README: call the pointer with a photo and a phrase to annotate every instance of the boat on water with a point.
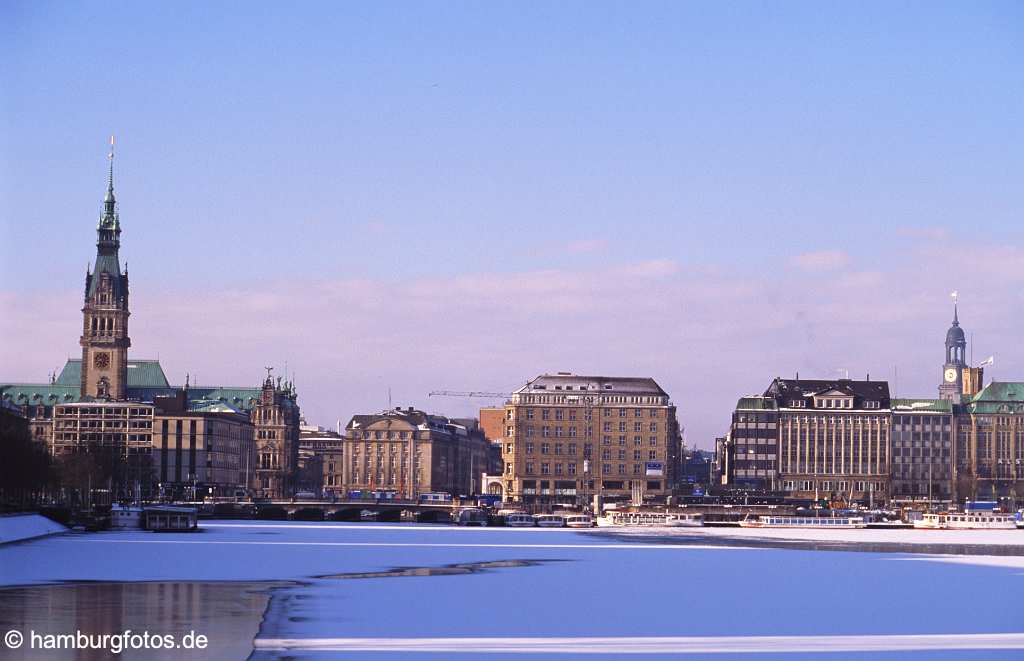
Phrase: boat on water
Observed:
(472, 516)
(170, 518)
(520, 520)
(967, 521)
(826, 522)
(126, 517)
(649, 519)
(550, 521)
(579, 521)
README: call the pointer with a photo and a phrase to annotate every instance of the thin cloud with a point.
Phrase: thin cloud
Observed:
(349, 340)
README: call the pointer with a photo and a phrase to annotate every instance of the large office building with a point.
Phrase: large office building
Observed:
(107, 400)
(570, 437)
(321, 452)
(922, 450)
(833, 438)
(410, 452)
(990, 443)
(748, 455)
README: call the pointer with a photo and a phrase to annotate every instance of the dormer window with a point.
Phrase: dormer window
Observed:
(797, 403)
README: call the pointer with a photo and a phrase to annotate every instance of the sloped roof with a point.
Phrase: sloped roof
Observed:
(784, 389)
(35, 394)
(211, 406)
(594, 384)
(141, 374)
(1001, 391)
(924, 405)
(998, 397)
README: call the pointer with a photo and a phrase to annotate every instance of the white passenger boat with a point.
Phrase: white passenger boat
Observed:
(550, 521)
(579, 521)
(967, 521)
(520, 520)
(651, 520)
(826, 522)
(124, 517)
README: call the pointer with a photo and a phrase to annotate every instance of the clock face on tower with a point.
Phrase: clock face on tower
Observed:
(950, 375)
(101, 360)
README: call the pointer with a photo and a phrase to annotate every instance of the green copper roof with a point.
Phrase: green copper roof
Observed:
(35, 394)
(141, 374)
(998, 397)
(146, 380)
(242, 399)
(211, 406)
(1001, 391)
(925, 405)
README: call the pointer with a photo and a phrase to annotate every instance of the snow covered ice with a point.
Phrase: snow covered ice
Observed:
(365, 590)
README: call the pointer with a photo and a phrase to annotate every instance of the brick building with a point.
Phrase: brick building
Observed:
(569, 437)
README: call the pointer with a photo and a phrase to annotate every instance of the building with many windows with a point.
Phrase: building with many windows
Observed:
(570, 437)
(990, 443)
(833, 438)
(321, 452)
(749, 454)
(411, 452)
(922, 450)
(201, 448)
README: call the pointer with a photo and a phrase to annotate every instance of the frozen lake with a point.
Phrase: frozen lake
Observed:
(365, 590)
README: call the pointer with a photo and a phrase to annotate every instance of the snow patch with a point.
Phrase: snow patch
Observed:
(18, 527)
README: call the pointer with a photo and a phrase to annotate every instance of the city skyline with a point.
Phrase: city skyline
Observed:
(486, 238)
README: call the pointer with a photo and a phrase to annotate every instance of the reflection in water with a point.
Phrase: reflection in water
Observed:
(444, 570)
(228, 614)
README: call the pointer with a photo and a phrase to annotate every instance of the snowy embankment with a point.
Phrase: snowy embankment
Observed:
(867, 536)
(18, 527)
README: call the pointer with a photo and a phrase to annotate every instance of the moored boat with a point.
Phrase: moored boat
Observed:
(126, 517)
(170, 518)
(825, 522)
(966, 521)
(650, 519)
(520, 520)
(550, 521)
(579, 521)
(472, 516)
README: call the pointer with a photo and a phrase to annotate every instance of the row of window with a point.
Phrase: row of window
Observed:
(571, 469)
(589, 399)
(825, 487)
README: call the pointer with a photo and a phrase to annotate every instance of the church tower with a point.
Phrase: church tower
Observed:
(951, 387)
(104, 338)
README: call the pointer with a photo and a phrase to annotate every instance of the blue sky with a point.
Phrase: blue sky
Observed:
(710, 193)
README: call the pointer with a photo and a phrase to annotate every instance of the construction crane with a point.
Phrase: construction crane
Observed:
(468, 393)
